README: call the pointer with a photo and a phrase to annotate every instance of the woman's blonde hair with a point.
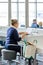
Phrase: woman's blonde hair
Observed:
(14, 21)
(40, 23)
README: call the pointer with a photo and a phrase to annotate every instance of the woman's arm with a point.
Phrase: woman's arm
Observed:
(20, 33)
(24, 34)
(16, 35)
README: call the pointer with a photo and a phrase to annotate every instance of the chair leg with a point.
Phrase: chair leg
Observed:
(34, 62)
(9, 62)
(21, 52)
(18, 57)
(16, 63)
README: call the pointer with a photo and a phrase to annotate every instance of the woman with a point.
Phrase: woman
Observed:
(40, 25)
(13, 38)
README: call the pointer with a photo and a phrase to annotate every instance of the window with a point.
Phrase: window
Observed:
(18, 11)
(39, 0)
(13, 0)
(3, 14)
(14, 10)
(31, 13)
(22, 14)
(35, 10)
(40, 12)
(31, 0)
(3, 0)
(21, 0)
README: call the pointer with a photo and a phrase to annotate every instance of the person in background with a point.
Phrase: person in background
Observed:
(13, 38)
(34, 24)
(40, 24)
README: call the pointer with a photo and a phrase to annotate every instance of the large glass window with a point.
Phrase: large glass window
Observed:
(14, 10)
(3, 0)
(21, 0)
(18, 11)
(31, 0)
(40, 12)
(22, 14)
(31, 13)
(13, 0)
(3, 14)
(39, 0)
(35, 10)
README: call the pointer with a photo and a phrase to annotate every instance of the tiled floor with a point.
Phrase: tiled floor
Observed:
(22, 62)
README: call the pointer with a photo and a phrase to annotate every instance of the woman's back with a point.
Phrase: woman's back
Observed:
(12, 36)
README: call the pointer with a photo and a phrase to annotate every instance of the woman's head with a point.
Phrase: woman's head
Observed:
(14, 23)
(40, 23)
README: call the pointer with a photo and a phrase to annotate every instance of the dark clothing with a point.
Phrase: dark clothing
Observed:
(12, 38)
(16, 48)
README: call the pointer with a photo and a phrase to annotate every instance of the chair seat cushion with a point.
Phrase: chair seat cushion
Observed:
(8, 54)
